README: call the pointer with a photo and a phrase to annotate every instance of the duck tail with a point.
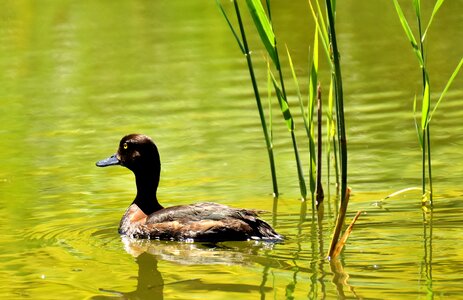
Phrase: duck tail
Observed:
(266, 232)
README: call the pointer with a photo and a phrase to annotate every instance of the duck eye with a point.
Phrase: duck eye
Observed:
(125, 146)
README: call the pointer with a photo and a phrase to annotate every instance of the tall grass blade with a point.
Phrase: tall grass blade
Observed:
(313, 82)
(428, 133)
(408, 32)
(330, 138)
(222, 10)
(341, 126)
(269, 99)
(339, 97)
(447, 86)
(319, 190)
(322, 23)
(321, 28)
(264, 28)
(283, 105)
(290, 124)
(434, 11)
(417, 6)
(298, 93)
(313, 79)
(417, 127)
(425, 104)
(245, 50)
(301, 104)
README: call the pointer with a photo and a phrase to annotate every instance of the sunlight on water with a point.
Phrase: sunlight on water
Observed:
(77, 76)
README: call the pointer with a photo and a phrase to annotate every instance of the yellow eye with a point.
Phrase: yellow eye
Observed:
(125, 146)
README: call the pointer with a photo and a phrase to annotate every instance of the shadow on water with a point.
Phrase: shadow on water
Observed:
(149, 254)
(150, 284)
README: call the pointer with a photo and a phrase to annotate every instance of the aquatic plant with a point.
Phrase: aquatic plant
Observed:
(341, 131)
(242, 43)
(264, 27)
(263, 24)
(308, 112)
(423, 128)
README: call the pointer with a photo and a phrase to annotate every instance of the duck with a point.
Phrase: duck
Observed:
(146, 218)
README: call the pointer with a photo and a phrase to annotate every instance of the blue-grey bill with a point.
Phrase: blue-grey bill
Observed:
(110, 161)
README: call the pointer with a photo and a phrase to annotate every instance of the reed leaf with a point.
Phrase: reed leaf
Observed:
(330, 126)
(222, 10)
(284, 107)
(313, 79)
(264, 28)
(417, 6)
(313, 83)
(434, 11)
(401, 192)
(321, 28)
(425, 104)
(417, 127)
(245, 50)
(408, 32)
(337, 77)
(447, 86)
(320, 194)
(269, 99)
(298, 92)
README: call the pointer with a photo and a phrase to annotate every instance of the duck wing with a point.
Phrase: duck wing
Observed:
(207, 222)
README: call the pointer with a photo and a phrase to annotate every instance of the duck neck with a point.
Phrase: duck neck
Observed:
(146, 200)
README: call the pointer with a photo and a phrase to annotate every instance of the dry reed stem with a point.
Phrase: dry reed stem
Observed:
(345, 236)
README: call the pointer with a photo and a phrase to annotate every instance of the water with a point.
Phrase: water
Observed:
(78, 76)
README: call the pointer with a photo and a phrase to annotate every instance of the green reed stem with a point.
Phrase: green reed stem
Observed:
(305, 118)
(428, 132)
(300, 173)
(424, 134)
(313, 93)
(245, 49)
(341, 126)
(426, 147)
(286, 112)
(319, 191)
(264, 27)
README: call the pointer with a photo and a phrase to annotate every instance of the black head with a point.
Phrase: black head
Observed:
(136, 152)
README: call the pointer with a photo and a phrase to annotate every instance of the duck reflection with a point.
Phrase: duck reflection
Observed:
(150, 283)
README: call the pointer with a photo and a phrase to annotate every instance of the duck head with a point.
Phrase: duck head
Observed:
(137, 152)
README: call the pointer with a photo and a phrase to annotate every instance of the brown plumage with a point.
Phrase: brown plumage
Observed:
(146, 218)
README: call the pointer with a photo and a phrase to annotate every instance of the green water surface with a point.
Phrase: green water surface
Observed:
(75, 76)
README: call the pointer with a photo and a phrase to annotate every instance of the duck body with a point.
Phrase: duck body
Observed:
(199, 222)
(146, 218)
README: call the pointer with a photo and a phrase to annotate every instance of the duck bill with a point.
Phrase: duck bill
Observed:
(110, 161)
